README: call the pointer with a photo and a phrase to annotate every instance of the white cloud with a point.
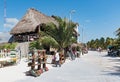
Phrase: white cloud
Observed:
(4, 37)
(8, 25)
(11, 22)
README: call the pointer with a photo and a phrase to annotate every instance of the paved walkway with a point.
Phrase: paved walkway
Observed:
(92, 67)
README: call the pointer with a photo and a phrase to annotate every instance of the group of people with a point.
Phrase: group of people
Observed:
(71, 53)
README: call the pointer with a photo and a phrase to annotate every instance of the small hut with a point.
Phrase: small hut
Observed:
(28, 27)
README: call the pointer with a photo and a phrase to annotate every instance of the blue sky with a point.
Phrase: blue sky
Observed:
(97, 18)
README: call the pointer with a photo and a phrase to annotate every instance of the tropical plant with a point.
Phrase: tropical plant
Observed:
(8, 46)
(48, 42)
(102, 42)
(35, 45)
(118, 39)
(105, 42)
(63, 34)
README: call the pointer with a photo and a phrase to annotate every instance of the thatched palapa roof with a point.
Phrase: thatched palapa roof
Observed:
(30, 21)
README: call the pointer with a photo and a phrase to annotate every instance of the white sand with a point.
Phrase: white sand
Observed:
(91, 67)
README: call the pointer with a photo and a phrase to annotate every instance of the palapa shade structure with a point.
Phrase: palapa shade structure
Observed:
(30, 21)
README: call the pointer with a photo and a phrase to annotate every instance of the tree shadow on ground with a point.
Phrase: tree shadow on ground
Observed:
(113, 69)
(106, 55)
(117, 71)
(111, 73)
(115, 60)
(117, 74)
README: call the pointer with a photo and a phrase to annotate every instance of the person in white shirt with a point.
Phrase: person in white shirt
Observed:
(57, 59)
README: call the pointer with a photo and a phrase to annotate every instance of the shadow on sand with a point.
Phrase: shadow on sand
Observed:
(115, 68)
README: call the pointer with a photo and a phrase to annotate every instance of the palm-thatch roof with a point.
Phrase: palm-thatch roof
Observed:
(30, 21)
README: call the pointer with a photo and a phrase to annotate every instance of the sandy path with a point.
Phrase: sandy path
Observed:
(91, 67)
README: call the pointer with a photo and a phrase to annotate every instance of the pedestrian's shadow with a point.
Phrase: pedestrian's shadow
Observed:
(53, 65)
(106, 55)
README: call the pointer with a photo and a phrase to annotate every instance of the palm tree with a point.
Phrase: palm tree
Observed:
(63, 34)
(102, 42)
(35, 45)
(48, 42)
(118, 39)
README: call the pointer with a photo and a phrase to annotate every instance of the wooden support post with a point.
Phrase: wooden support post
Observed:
(39, 60)
(62, 59)
(44, 60)
(33, 61)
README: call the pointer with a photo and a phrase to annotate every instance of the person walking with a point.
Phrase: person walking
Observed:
(57, 59)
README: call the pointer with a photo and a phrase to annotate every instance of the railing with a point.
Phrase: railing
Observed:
(8, 58)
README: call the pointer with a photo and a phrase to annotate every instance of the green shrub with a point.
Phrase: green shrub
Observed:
(8, 46)
(35, 45)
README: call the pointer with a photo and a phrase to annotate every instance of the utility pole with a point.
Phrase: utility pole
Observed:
(5, 11)
(82, 35)
(72, 11)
